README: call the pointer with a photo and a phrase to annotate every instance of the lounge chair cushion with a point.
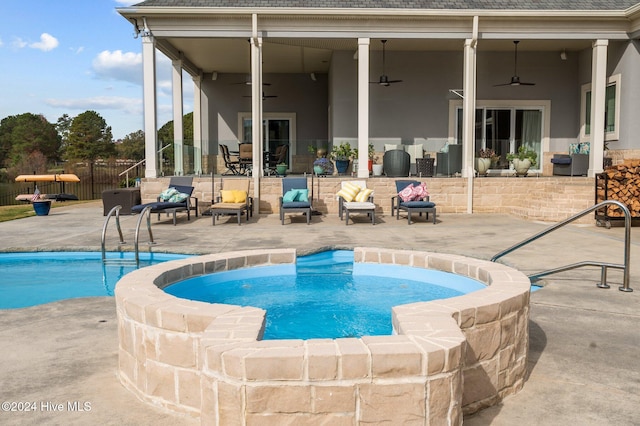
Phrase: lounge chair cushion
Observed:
(363, 195)
(417, 204)
(157, 206)
(295, 204)
(349, 191)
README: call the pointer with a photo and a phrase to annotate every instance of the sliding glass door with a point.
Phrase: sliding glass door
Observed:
(504, 130)
(276, 131)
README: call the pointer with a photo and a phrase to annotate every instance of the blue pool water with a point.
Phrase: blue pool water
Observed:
(29, 279)
(325, 295)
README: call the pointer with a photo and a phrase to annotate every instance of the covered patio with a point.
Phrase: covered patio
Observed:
(419, 77)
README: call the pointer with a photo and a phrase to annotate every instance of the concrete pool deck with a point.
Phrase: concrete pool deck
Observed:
(583, 365)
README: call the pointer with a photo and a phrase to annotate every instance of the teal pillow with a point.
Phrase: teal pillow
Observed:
(290, 196)
(168, 193)
(179, 197)
(302, 195)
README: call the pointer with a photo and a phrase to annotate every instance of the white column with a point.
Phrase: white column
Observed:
(598, 99)
(468, 118)
(178, 125)
(197, 125)
(363, 107)
(150, 105)
(256, 106)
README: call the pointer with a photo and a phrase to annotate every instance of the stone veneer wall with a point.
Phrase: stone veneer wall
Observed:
(534, 198)
(447, 357)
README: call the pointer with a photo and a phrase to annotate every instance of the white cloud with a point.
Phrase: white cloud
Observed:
(47, 42)
(129, 105)
(77, 50)
(1, 43)
(117, 65)
(18, 43)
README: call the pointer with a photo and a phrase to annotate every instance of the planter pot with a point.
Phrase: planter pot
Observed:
(42, 207)
(482, 166)
(377, 169)
(521, 166)
(342, 166)
(318, 170)
(281, 169)
(370, 165)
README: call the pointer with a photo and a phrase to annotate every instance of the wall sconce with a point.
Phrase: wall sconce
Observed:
(563, 55)
(313, 76)
(214, 75)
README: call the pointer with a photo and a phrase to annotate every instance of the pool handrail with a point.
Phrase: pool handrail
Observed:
(604, 265)
(116, 211)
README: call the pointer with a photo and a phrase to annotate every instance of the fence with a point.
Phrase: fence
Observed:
(94, 178)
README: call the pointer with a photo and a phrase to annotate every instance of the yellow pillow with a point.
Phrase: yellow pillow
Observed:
(228, 196)
(349, 191)
(239, 196)
(363, 195)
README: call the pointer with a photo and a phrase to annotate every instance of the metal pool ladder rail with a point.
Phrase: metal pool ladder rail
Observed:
(116, 211)
(604, 265)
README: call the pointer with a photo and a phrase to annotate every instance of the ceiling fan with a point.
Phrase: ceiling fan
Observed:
(263, 96)
(515, 80)
(384, 79)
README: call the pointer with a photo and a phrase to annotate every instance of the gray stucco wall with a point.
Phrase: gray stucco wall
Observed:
(419, 106)
(296, 93)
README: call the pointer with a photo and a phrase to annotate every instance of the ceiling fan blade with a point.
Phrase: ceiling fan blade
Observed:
(384, 81)
(248, 83)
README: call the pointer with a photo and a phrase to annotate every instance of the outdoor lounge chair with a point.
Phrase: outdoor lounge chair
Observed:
(233, 199)
(419, 204)
(176, 198)
(354, 197)
(295, 197)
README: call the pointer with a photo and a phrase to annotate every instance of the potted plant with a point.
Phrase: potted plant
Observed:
(523, 160)
(322, 166)
(281, 169)
(483, 161)
(341, 154)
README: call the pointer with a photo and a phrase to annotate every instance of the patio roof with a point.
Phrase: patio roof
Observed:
(405, 4)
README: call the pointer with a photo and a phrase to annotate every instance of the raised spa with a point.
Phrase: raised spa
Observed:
(323, 295)
(445, 357)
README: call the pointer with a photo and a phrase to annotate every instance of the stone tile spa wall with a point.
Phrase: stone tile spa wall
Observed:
(447, 357)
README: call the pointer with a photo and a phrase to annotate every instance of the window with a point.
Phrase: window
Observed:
(611, 110)
(504, 129)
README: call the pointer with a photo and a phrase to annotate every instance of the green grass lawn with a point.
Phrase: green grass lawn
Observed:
(26, 210)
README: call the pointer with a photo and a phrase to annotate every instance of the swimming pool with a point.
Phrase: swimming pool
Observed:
(325, 295)
(35, 278)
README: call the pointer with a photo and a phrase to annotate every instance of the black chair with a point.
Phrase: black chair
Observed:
(420, 206)
(231, 165)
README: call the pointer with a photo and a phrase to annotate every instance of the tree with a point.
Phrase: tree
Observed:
(165, 135)
(89, 138)
(132, 146)
(63, 126)
(24, 134)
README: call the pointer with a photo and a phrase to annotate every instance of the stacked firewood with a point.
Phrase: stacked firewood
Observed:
(622, 184)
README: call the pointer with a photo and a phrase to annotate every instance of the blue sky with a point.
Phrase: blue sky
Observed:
(69, 56)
